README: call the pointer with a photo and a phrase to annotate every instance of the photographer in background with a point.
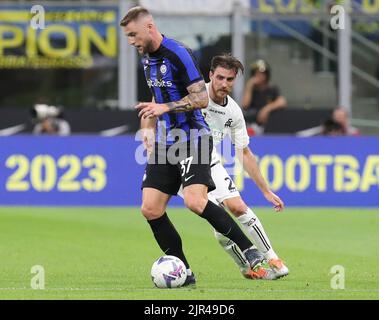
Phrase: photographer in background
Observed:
(337, 124)
(49, 120)
(260, 98)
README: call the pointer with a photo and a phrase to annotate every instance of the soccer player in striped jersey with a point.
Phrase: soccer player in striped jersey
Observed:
(182, 151)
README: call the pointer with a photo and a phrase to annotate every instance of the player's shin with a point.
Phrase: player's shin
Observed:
(167, 237)
(254, 228)
(233, 251)
(224, 224)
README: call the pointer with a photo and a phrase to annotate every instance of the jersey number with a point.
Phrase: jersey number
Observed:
(185, 165)
(231, 184)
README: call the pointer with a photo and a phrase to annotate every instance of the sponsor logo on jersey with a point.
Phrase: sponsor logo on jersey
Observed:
(216, 111)
(159, 83)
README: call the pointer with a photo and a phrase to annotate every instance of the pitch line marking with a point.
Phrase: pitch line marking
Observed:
(191, 290)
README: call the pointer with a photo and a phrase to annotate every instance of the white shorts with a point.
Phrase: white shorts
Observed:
(225, 187)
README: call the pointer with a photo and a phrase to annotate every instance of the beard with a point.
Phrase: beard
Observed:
(219, 95)
(145, 48)
(149, 48)
(222, 93)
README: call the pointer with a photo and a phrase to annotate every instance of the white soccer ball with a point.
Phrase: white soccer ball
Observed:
(168, 272)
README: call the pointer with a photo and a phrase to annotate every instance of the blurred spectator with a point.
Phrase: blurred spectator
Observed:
(341, 116)
(260, 98)
(337, 124)
(332, 128)
(49, 120)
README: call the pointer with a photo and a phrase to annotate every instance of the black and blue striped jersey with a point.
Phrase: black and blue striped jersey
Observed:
(169, 71)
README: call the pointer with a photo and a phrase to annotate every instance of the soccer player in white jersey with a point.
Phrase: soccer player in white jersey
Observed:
(225, 117)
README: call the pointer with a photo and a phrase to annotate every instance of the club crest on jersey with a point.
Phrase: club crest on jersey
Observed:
(163, 69)
(228, 123)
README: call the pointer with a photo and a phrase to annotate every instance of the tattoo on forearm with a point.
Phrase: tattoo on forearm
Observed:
(183, 105)
(197, 98)
(198, 94)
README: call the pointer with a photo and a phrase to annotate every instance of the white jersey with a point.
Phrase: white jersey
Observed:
(225, 121)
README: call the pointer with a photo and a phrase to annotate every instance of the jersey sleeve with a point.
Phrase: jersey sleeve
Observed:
(239, 135)
(187, 67)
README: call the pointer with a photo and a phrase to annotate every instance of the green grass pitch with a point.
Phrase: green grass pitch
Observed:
(107, 253)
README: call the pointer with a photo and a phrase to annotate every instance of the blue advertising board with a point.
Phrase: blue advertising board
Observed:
(100, 171)
(318, 171)
(77, 170)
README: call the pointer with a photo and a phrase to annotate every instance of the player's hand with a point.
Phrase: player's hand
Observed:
(151, 109)
(275, 200)
(263, 115)
(250, 84)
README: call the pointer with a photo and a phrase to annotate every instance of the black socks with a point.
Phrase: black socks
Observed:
(167, 237)
(224, 223)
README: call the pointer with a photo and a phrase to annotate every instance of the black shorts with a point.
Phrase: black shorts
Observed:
(185, 163)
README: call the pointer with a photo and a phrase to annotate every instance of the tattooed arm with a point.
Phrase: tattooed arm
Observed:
(197, 98)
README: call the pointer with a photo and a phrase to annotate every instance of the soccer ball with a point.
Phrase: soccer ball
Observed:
(168, 272)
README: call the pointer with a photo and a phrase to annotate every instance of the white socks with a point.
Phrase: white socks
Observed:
(252, 225)
(233, 250)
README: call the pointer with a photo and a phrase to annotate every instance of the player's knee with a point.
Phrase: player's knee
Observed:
(238, 208)
(195, 204)
(151, 212)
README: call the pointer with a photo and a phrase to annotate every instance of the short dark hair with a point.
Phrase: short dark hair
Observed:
(133, 14)
(227, 61)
